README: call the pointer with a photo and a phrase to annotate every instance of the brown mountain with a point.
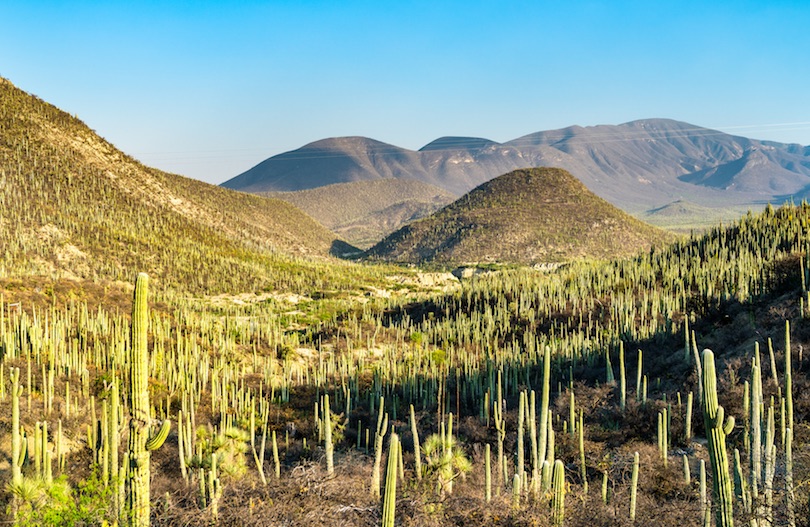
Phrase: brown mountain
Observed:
(526, 216)
(637, 165)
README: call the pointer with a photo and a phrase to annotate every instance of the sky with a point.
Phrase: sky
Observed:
(209, 89)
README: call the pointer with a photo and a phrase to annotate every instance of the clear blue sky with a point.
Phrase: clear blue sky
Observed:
(209, 89)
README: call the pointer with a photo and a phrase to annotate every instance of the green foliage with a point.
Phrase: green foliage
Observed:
(61, 504)
(445, 460)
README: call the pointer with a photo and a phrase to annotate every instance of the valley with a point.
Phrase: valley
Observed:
(219, 339)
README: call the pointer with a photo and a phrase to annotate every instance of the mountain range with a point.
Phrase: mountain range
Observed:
(637, 166)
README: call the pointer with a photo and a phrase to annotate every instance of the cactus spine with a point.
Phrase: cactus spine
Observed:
(717, 428)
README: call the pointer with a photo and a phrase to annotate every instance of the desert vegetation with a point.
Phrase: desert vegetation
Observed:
(165, 363)
(569, 397)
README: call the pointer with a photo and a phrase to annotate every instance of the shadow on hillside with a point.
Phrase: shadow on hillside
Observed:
(344, 250)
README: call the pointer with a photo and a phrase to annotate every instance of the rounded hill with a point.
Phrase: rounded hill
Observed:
(526, 216)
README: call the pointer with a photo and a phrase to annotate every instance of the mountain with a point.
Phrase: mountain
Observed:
(526, 216)
(364, 212)
(685, 217)
(636, 166)
(72, 205)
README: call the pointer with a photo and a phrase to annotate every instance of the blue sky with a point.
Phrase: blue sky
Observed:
(209, 89)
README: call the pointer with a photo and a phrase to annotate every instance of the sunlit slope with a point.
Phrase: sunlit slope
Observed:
(73, 205)
(526, 216)
(364, 212)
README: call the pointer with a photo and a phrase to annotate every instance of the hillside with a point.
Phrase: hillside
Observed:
(364, 212)
(74, 206)
(527, 216)
(684, 216)
(636, 166)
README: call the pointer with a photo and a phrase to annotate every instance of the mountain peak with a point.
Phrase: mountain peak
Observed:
(527, 216)
(458, 143)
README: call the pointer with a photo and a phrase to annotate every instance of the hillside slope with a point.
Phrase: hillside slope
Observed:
(527, 216)
(637, 165)
(364, 212)
(73, 205)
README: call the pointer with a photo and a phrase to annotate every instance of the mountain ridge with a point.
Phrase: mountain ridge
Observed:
(637, 165)
(75, 206)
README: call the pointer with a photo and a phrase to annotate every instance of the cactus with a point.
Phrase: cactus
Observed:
(687, 475)
(140, 442)
(638, 376)
(634, 488)
(417, 453)
(520, 448)
(788, 379)
(704, 498)
(558, 498)
(516, 481)
(327, 435)
(382, 427)
(740, 488)
(717, 428)
(390, 498)
(622, 379)
(542, 433)
(17, 455)
(755, 424)
(583, 467)
(790, 497)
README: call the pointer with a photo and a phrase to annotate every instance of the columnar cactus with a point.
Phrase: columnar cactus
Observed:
(634, 488)
(390, 498)
(622, 379)
(140, 441)
(382, 427)
(717, 428)
(558, 498)
(16, 437)
(417, 452)
(327, 434)
(542, 434)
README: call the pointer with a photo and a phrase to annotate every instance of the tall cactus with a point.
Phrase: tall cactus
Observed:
(390, 497)
(140, 441)
(717, 428)
(330, 447)
(634, 488)
(558, 498)
(16, 437)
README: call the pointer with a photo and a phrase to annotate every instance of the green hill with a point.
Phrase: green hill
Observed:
(364, 212)
(72, 205)
(526, 216)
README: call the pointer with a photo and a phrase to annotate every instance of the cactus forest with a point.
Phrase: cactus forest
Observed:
(151, 377)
